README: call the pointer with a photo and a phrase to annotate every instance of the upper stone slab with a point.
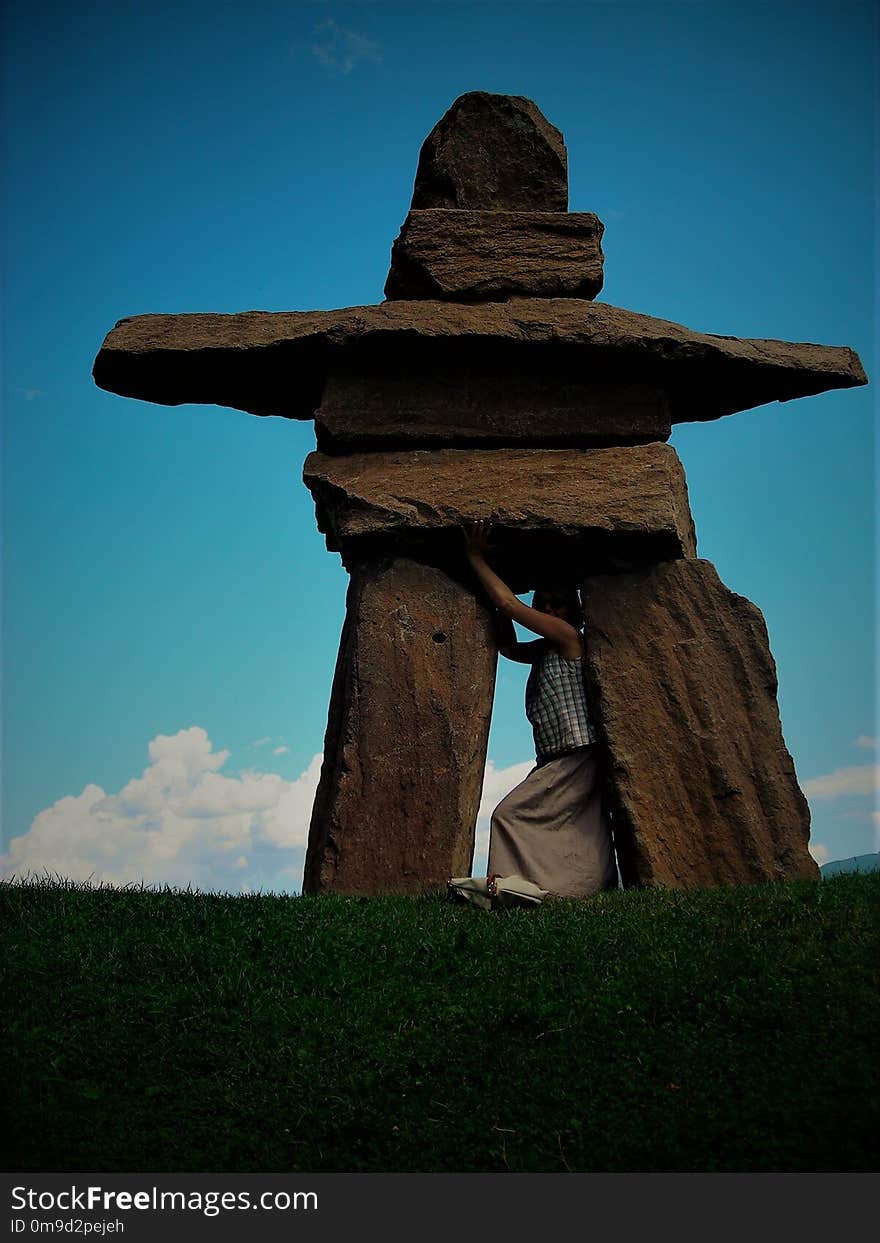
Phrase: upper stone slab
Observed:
(493, 153)
(278, 362)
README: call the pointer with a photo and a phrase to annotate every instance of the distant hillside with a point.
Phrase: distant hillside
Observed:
(860, 863)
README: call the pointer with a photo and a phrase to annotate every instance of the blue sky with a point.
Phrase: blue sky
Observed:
(170, 614)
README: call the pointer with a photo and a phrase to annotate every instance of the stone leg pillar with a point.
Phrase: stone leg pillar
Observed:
(681, 678)
(406, 740)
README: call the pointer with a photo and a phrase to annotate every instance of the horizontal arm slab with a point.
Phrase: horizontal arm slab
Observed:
(276, 363)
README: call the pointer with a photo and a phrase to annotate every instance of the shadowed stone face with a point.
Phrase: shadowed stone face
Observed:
(682, 681)
(495, 153)
(551, 406)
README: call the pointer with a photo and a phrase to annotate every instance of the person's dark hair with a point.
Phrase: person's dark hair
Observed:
(569, 596)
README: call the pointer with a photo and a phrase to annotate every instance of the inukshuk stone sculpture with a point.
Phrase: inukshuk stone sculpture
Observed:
(489, 384)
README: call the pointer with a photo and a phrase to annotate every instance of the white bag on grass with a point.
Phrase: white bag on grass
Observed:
(488, 892)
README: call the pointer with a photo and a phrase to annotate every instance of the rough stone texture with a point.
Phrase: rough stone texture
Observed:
(683, 684)
(556, 512)
(277, 362)
(406, 738)
(417, 409)
(493, 152)
(482, 256)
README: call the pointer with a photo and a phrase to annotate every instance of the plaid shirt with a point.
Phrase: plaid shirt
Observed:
(556, 705)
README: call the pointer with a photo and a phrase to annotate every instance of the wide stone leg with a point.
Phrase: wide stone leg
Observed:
(408, 728)
(681, 678)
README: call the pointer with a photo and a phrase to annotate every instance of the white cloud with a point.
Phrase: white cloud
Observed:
(819, 852)
(286, 823)
(181, 823)
(31, 394)
(281, 750)
(339, 50)
(858, 779)
(869, 744)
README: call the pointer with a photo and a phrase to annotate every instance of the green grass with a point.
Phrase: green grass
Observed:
(726, 1029)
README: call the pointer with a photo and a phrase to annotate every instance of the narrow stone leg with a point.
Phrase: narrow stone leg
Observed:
(681, 677)
(408, 728)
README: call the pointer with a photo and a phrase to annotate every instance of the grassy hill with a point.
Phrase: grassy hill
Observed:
(727, 1029)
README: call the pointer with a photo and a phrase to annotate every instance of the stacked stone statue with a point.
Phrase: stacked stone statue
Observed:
(489, 384)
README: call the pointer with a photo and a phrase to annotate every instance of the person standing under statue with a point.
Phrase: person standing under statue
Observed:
(551, 829)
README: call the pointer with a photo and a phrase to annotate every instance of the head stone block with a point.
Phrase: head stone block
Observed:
(493, 153)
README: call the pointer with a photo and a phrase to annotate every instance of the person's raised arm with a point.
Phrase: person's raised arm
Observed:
(554, 628)
(508, 644)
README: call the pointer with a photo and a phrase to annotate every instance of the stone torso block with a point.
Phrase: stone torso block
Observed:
(553, 509)
(682, 680)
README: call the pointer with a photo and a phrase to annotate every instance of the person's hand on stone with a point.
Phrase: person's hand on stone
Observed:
(476, 535)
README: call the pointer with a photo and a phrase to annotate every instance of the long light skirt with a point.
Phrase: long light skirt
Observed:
(552, 831)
